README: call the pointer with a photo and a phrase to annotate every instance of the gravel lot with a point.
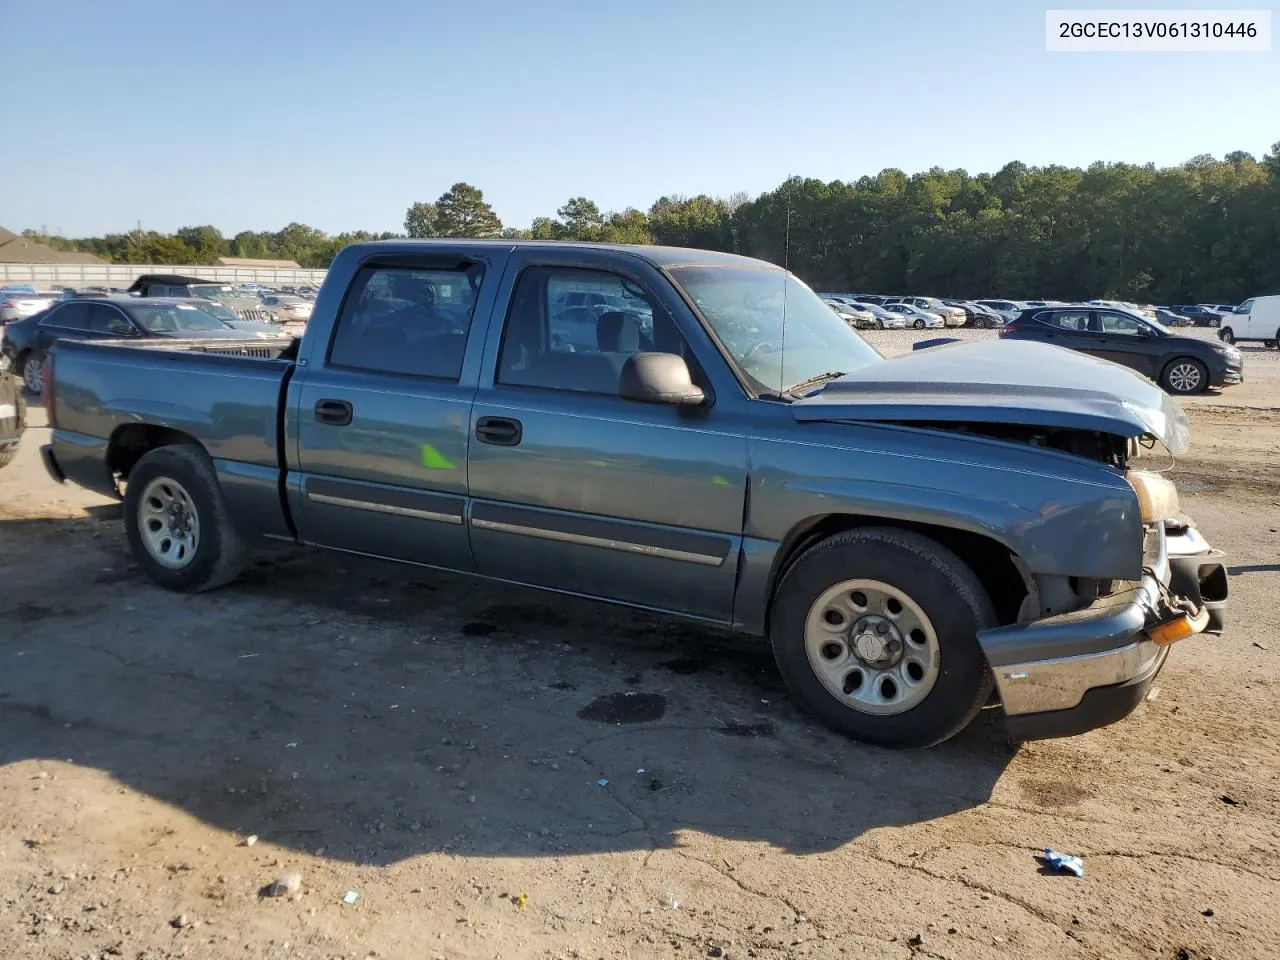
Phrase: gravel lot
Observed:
(497, 773)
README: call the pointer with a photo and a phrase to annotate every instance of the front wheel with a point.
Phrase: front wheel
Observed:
(33, 372)
(1185, 375)
(875, 633)
(879, 324)
(178, 523)
(1227, 337)
(7, 454)
(919, 324)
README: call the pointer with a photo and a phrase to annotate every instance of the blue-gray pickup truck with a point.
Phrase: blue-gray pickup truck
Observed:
(687, 432)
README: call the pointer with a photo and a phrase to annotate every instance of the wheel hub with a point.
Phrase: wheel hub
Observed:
(876, 641)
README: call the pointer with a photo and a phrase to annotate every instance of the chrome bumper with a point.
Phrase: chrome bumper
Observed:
(1076, 671)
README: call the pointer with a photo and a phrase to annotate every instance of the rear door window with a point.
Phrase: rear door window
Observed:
(1076, 321)
(69, 316)
(407, 321)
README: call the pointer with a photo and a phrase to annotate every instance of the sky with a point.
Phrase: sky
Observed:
(251, 115)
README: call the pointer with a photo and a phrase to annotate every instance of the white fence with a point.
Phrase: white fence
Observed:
(123, 274)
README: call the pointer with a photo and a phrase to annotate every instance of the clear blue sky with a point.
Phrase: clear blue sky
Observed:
(249, 115)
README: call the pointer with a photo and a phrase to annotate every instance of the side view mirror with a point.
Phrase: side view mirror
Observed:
(659, 378)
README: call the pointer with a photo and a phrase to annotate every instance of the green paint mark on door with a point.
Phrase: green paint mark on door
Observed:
(433, 459)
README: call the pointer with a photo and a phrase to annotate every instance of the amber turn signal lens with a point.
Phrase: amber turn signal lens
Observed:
(1179, 628)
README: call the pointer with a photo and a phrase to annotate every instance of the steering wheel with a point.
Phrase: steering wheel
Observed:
(757, 347)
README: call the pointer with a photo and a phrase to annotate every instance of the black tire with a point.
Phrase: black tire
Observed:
(1226, 336)
(879, 324)
(220, 552)
(935, 579)
(7, 454)
(1172, 377)
(25, 366)
(1215, 322)
(919, 324)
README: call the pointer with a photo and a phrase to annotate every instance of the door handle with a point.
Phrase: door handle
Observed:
(499, 431)
(335, 412)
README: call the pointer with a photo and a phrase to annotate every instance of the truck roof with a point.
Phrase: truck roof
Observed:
(658, 256)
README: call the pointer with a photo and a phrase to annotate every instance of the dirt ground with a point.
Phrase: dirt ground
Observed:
(496, 773)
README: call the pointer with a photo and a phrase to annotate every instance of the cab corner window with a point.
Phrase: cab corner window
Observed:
(408, 321)
(573, 329)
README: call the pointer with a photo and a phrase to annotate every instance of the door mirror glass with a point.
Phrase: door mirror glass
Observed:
(659, 378)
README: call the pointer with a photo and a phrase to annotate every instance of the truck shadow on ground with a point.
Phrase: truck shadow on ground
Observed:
(379, 712)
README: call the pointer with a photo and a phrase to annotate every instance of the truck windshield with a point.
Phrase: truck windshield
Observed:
(211, 291)
(778, 332)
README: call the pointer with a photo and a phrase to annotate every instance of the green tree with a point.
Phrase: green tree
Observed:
(463, 212)
(420, 220)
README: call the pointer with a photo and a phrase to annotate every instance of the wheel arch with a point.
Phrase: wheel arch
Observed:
(1167, 364)
(130, 443)
(995, 566)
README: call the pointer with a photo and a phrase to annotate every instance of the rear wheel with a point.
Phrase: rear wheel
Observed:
(875, 634)
(32, 367)
(7, 454)
(1185, 375)
(1226, 336)
(178, 523)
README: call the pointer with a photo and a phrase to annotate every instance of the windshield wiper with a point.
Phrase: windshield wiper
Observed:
(814, 381)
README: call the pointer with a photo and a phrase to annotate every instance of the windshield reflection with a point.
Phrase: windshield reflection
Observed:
(776, 330)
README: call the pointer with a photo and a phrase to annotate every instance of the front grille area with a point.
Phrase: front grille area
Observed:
(260, 314)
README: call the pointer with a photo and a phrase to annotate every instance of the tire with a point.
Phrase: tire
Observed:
(1226, 336)
(1185, 375)
(7, 454)
(31, 367)
(945, 602)
(214, 553)
(919, 324)
(879, 324)
(1215, 322)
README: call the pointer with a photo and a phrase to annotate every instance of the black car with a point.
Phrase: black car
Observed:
(976, 315)
(26, 342)
(13, 414)
(1179, 364)
(1197, 315)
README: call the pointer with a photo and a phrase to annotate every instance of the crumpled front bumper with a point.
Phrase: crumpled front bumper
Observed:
(1077, 671)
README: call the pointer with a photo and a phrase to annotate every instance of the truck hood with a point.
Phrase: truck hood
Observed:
(1003, 381)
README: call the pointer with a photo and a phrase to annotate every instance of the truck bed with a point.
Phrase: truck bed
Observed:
(225, 394)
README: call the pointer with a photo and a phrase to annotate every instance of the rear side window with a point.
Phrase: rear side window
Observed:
(409, 321)
(70, 316)
(1074, 320)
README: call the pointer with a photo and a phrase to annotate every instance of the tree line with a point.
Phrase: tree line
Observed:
(1206, 230)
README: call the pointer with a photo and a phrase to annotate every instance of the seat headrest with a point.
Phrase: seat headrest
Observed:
(618, 332)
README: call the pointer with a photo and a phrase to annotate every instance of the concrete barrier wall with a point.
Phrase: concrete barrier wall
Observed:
(44, 275)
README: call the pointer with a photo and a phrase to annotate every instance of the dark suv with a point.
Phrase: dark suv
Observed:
(1179, 364)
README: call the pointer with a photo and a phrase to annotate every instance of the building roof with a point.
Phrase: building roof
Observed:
(16, 249)
(266, 264)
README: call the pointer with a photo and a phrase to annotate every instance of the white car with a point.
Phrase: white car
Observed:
(1258, 318)
(854, 316)
(16, 305)
(288, 309)
(951, 316)
(915, 317)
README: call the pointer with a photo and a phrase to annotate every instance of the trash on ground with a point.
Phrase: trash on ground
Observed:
(287, 886)
(602, 782)
(351, 897)
(1064, 861)
(250, 840)
(521, 900)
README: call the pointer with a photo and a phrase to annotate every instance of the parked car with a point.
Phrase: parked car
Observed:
(1005, 308)
(1222, 309)
(856, 317)
(287, 309)
(16, 305)
(27, 342)
(13, 413)
(1258, 318)
(1198, 315)
(976, 315)
(951, 316)
(1165, 316)
(1181, 365)
(907, 532)
(884, 320)
(915, 317)
(246, 306)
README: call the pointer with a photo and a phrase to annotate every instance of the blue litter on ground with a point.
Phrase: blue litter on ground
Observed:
(1064, 861)
(602, 782)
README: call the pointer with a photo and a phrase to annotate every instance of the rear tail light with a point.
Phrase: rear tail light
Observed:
(46, 393)
(1004, 331)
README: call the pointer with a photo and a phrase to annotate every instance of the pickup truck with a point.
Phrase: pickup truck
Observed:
(916, 537)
